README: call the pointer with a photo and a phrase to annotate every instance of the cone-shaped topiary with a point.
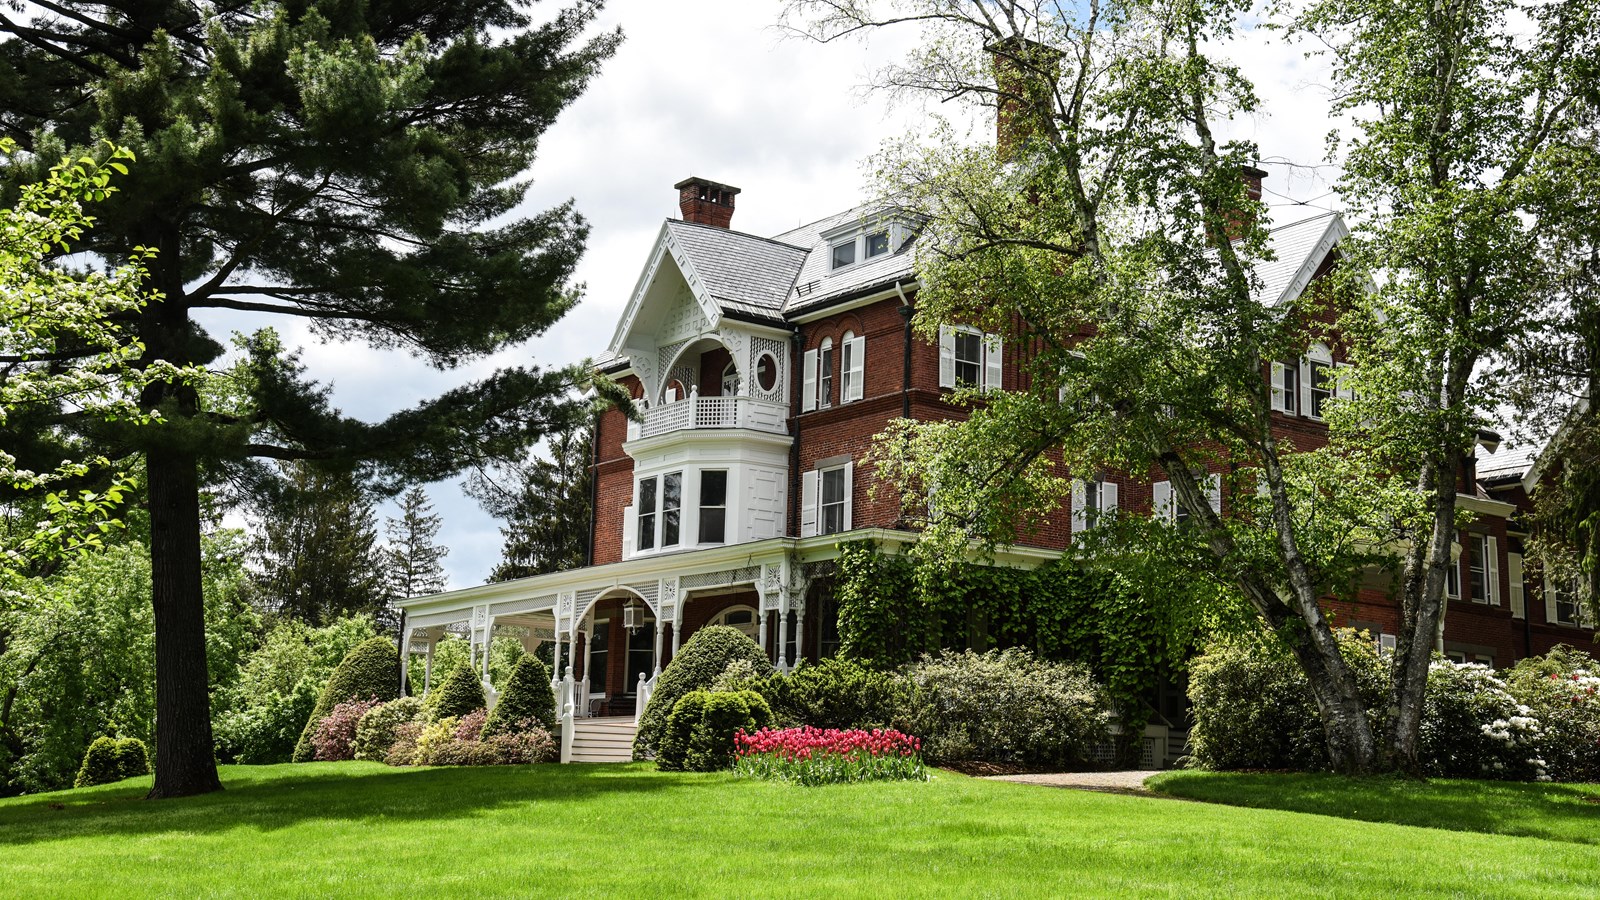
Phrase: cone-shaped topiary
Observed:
(696, 665)
(460, 693)
(527, 696)
(371, 670)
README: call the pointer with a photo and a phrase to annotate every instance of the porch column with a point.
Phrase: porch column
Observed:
(659, 627)
(783, 639)
(488, 642)
(405, 663)
(799, 634)
(555, 667)
(761, 629)
(427, 665)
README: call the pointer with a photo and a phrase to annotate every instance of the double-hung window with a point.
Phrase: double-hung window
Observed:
(825, 373)
(816, 390)
(834, 500)
(647, 514)
(713, 506)
(671, 508)
(1321, 387)
(968, 358)
(1484, 569)
(1285, 387)
(1091, 501)
(1564, 603)
(825, 498)
(660, 511)
(1452, 579)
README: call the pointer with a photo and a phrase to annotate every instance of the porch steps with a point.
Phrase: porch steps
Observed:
(603, 740)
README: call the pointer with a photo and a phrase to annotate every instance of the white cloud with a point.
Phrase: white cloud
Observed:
(710, 88)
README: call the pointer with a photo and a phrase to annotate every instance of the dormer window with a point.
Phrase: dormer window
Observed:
(846, 248)
(844, 254)
(877, 243)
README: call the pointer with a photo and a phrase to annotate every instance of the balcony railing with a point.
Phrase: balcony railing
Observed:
(712, 412)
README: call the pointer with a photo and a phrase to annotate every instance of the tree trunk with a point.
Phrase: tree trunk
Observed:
(1422, 611)
(185, 760)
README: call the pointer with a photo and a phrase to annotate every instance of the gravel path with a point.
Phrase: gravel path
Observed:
(1116, 782)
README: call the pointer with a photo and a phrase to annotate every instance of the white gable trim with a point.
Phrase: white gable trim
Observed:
(1331, 236)
(666, 245)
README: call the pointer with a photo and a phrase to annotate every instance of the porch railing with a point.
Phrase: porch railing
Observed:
(698, 412)
(647, 686)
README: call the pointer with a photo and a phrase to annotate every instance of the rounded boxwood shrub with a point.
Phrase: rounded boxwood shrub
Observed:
(370, 671)
(1007, 706)
(699, 736)
(108, 760)
(375, 733)
(457, 695)
(834, 693)
(698, 663)
(527, 696)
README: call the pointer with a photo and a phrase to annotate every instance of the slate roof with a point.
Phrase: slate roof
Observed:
(1507, 463)
(1293, 247)
(818, 283)
(742, 272)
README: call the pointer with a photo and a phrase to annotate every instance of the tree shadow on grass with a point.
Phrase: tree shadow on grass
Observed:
(1560, 812)
(266, 798)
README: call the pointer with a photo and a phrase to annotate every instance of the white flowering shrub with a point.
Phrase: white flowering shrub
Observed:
(1563, 690)
(1472, 726)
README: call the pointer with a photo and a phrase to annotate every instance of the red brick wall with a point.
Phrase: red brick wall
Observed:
(613, 480)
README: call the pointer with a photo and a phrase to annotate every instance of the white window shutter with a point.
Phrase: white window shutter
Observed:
(1080, 496)
(1493, 568)
(1549, 600)
(1343, 391)
(857, 349)
(1280, 390)
(1305, 386)
(1161, 501)
(1519, 607)
(630, 529)
(808, 502)
(808, 383)
(1214, 493)
(947, 356)
(1108, 498)
(993, 369)
(849, 494)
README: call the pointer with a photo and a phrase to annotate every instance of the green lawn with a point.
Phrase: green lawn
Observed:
(1562, 812)
(358, 829)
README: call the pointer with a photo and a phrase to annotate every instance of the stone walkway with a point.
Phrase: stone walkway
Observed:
(1112, 782)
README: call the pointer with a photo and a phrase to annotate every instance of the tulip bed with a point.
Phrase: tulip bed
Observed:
(813, 756)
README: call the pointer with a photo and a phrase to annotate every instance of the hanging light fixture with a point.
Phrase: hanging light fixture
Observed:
(631, 619)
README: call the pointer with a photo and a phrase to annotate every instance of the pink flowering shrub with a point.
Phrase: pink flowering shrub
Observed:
(337, 730)
(471, 725)
(812, 756)
(1562, 689)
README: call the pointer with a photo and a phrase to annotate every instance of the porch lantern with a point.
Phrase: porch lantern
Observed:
(631, 618)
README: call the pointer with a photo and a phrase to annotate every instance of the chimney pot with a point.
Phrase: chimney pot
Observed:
(705, 202)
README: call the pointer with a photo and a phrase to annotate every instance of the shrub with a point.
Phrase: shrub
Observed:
(337, 731)
(1562, 688)
(1006, 706)
(371, 670)
(434, 740)
(403, 752)
(812, 756)
(835, 693)
(527, 696)
(471, 725)
(700, 733)
(109, 760)
(460, 693)
(525, 744)
(266, 729)
(376, 732)
(697, 664)
(1473, 728)
(455, 742)
(1253, 708)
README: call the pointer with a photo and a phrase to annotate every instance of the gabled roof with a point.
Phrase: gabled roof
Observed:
(1507, 463)
(817, 282)
(742, 272)
(1298, 250)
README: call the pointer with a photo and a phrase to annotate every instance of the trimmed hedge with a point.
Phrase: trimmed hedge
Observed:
(834, 693)
(528, 696)
(697, 664)
(699, 736)
(370, 671)
(459, 694)
(108, 760)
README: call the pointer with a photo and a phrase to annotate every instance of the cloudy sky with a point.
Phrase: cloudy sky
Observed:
(711, 88)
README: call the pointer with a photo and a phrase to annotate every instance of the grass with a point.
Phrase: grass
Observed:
(1559, 812)
(359, 829)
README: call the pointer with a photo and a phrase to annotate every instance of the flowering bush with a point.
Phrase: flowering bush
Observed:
(813, 756)
(403, 752)
(1006, 706)
(1473, 728)
(332, 738)
(1563, 690)
(456, 742)
(376, 732)
(471, 725)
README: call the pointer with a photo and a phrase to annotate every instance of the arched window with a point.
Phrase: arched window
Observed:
(740, 617)
(730, 381)
(825, 373)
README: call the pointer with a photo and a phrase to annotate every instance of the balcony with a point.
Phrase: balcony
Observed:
(698, 412)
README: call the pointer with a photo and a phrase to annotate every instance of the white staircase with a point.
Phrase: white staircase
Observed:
(602, 740)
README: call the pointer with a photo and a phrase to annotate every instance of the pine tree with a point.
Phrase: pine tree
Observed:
(316, 552)
(545, 503)
(353, 165)
(412, 561)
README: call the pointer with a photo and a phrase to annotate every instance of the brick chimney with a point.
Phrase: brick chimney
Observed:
(1025, 74)
(706, 202)
(1240, 219)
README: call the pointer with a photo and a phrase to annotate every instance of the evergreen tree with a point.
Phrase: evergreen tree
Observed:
(352, 165)
(317, 553)
(545, 503)
(412, 560)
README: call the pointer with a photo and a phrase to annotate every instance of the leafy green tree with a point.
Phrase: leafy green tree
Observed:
(1471, 168)
(545, 503)
(355, 166)
(1112, 243)
(412, 561)
(316, 549)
